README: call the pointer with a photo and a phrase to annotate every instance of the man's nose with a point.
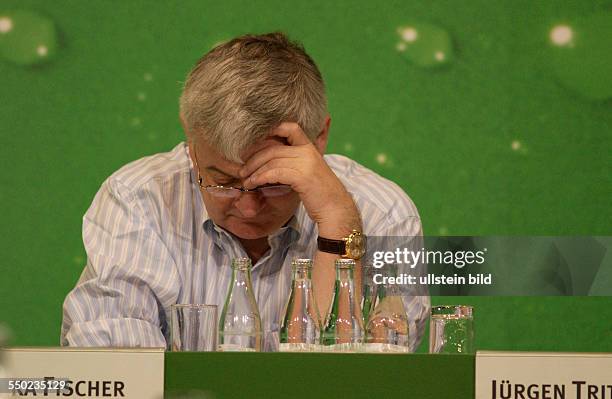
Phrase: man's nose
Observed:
(249, 204)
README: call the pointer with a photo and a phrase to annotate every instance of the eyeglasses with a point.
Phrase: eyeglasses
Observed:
(266, 191)
(235, 192)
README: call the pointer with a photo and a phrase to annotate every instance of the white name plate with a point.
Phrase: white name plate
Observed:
(83, 373)
(543, 375)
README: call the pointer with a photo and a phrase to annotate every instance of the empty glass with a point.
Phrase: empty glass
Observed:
(193, 328)
(451, 329)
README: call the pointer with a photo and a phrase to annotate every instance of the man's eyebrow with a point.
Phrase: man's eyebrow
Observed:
(215, 169)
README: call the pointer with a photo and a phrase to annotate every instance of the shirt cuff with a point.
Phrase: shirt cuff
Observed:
(120, 332)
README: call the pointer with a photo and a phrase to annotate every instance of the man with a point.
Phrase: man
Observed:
(250, 181)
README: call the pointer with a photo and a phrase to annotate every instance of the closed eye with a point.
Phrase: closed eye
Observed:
(220, 177)
(227, 183)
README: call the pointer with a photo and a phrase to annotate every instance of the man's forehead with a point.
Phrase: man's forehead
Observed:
(214, 158)
(265, 143)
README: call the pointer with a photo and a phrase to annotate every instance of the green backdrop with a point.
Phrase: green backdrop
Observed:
(496, 119)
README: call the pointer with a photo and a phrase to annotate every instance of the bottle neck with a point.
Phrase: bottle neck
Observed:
(301, 273)
(344, 269)
(242, 275)
(344, 273)
(241, 270)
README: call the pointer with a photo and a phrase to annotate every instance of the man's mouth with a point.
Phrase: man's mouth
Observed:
(244, 218)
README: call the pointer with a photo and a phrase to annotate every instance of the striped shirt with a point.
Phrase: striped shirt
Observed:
(150, 244)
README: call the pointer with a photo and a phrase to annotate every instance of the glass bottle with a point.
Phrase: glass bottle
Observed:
(344, 326)
(387, 323)
(240, 324)
(301, 328)
(369, 290)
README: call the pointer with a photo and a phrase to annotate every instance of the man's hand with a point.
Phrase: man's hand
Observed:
(301, 165)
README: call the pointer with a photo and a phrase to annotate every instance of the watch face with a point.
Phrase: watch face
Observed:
(356, 245)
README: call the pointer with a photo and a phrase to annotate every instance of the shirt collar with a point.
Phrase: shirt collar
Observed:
(287, 234)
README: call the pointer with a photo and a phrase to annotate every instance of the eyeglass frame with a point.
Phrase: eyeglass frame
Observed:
(256, 190)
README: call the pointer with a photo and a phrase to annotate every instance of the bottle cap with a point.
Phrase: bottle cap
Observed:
(241, 263)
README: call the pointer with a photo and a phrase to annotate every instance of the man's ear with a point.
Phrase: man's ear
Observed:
(321, 140)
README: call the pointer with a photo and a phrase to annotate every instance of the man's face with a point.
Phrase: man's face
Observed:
(249, 216)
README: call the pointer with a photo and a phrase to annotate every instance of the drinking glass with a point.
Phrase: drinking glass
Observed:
(194, 328)
(451, 329)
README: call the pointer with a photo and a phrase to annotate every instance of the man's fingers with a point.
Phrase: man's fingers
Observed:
(264, 156)
(274, 176)
(272, 164)
(295, 137)
(292, 132)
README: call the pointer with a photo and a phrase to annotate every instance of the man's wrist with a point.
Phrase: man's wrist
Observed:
(338, 228)
(338, 233)
(352, 246)
(340, 219)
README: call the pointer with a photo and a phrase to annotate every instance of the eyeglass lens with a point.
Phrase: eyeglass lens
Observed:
(266, 191)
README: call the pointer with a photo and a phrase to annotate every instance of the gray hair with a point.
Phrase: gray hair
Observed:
(242, 89)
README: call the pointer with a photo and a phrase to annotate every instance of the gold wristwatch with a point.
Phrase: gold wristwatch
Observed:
(353, 246)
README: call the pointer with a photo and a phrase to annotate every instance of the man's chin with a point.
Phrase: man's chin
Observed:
(248, 231)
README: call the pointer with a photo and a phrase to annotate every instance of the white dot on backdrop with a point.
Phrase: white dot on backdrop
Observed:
(135, 122)
(148, 77)
(561, 35)
(42, 50)
(78, 260)
(443, 230)
(6, 24)
(381, 158)
(348, 147)
(516, 145)
(409, 34)
(440, 56)
(401, 46)
(141, 96)
(152, 136)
